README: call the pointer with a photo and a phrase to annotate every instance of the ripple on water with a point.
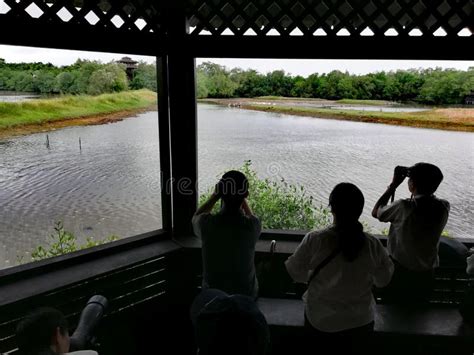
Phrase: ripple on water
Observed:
(113, 185)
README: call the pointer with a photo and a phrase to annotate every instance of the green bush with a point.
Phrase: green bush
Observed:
(63, 242)
(281, 205)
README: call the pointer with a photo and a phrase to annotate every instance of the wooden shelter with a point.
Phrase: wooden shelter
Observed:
(150, 279)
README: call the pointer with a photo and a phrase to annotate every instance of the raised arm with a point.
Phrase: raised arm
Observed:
(208, 205)
(246, 208)
(383, 200)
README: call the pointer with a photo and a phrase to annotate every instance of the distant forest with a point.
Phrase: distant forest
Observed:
(428, 86)
(82, 77)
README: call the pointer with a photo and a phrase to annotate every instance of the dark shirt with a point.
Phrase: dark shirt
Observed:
(228, 249)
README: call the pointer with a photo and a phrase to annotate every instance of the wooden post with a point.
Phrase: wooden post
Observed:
(164, 141)
(183, 124)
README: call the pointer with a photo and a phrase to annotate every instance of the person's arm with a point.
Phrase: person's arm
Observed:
(208, 205)
(246, 208)
(383, 200)
(384, 271)
(298, 264)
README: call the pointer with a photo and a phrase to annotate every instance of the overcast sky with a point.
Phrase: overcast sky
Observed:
(16, 54)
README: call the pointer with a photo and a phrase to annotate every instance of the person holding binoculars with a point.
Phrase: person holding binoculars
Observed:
(229, 237)
(416, 225)
(45, 330)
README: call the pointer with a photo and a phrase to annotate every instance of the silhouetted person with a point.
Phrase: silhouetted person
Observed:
(45, 332)
(229, 237)
(416, 225)
(228, 324)
(341, 264)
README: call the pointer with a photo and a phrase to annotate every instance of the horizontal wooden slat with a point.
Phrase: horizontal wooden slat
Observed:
(134, 297)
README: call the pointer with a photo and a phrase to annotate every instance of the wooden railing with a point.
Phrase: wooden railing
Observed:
(150, 288)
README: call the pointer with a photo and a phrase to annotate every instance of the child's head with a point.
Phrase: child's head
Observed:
(44, 328)
(229, 324)
(347, 202)
(233, 188)
(424, 178)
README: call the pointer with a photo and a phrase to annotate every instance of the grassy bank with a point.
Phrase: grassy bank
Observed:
(457, 119)
(44, 114)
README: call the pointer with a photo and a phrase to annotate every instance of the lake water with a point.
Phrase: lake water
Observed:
(16, 96)
(112, 185)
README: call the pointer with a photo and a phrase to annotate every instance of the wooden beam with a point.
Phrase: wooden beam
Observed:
(416, 48)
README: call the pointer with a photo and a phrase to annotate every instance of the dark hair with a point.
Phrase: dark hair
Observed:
(35, 331)
(426, 177)
(347, 203)
(233, 187)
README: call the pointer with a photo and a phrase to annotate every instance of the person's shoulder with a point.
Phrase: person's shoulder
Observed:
(82, 352)
(402, 203)
(251, 221)
(373, 240)
(321, 234)
(252, 218)
(443, 202)
(199, 218)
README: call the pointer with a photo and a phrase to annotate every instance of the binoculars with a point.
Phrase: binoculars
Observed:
(402, 171)
(83, 338)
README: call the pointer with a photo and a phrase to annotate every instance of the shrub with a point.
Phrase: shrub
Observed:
(63, 242)
(281, 205)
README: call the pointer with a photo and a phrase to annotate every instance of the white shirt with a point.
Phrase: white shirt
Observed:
(415, 229)
(340, 295)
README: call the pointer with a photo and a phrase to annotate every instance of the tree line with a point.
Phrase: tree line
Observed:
(82, 77)
(427, 86)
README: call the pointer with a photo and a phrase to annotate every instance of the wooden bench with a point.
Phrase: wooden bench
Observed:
(430, 329)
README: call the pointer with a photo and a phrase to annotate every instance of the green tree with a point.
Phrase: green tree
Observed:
(250, 84)
(110, 78)
(201, 85)
(44, 81)
(218, 81)
(144, 77)
(65, 82)
(446, 86)
(278, 83)
(300, 87)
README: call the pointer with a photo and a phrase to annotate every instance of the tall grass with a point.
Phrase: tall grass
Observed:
(14, 114)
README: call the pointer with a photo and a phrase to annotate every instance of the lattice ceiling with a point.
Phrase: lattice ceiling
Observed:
(331, 17)
(260, 17)
(135, 16)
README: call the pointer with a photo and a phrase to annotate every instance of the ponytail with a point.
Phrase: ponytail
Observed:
(347, 203)
(351, 239)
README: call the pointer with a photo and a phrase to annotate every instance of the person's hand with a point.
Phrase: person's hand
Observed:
(397, 179)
